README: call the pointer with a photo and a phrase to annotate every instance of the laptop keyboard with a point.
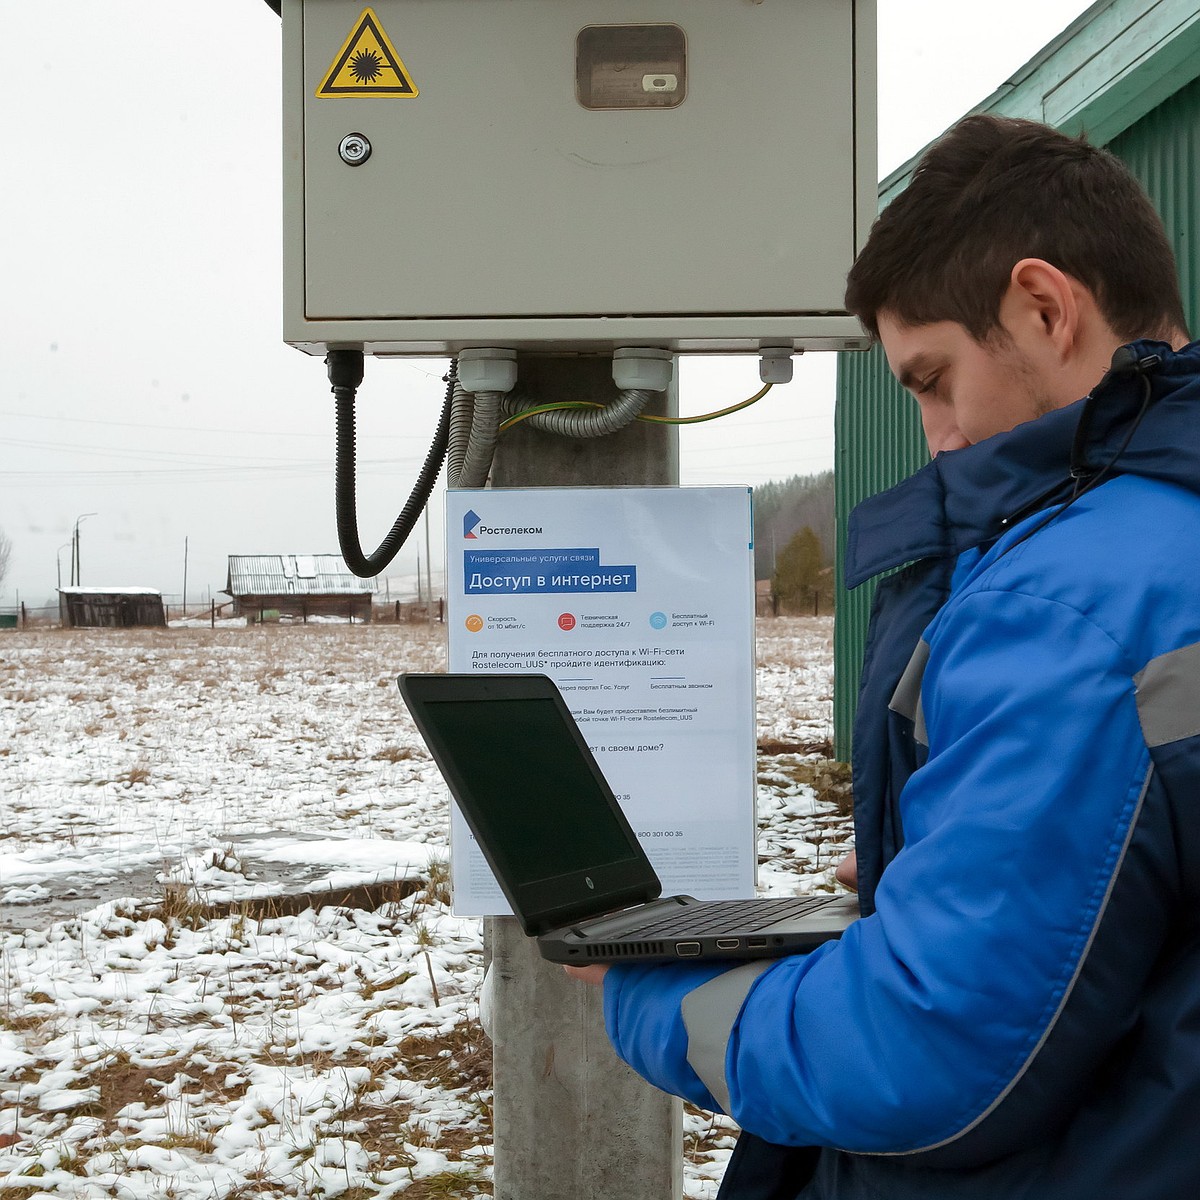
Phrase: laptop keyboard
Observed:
(726, 916)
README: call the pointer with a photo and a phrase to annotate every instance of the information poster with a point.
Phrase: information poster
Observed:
(639, 603)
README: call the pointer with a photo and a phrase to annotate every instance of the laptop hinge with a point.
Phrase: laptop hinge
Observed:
(559, 917)
(639, 915)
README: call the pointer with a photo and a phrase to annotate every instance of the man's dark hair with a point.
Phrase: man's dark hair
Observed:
(993, 191)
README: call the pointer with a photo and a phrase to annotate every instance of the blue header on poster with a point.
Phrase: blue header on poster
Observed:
(524, 572)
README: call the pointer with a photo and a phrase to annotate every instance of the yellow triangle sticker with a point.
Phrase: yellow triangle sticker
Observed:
(367, 65)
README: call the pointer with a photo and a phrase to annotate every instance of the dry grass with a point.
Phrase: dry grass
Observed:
(122, 1081)
(138, 773)
(178, 907)
(457, 1062)
(770, 747)
(395, 754)
(447, 1184)
(793, 642)
(830, 780)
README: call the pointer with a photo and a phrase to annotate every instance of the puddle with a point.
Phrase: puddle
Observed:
(270, 888)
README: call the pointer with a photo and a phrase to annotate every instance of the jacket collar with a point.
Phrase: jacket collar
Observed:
(964, 498)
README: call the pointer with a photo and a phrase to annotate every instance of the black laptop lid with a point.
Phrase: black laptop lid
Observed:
(532, 794)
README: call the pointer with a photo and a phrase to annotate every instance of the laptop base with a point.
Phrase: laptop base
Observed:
(766, 928)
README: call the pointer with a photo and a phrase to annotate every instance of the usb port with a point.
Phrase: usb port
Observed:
(757, 943)
(728, 943)
(687, 949)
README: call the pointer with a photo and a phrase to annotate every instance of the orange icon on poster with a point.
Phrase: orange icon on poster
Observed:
(474, 622)
(367, 65)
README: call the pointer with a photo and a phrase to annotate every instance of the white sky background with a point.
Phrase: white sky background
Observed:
(143, 377)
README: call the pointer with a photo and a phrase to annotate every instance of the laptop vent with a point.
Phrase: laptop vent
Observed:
(626, 949)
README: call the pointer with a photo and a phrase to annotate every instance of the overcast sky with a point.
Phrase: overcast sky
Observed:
(144, 379)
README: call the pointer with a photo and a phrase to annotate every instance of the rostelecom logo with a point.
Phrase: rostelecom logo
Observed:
(471, 519)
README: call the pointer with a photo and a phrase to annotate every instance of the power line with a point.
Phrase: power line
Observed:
(142, 454)
(271, 433)
(213, 474)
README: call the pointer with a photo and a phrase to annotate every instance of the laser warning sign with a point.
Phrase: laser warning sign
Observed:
(367, 65)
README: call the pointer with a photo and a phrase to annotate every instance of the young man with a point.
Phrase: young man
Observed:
(1018, 1012)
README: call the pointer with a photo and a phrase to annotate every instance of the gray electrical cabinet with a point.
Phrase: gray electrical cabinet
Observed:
(575, 175)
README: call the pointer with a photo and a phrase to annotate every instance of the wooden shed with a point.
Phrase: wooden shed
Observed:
(111, 607)
(268, 587)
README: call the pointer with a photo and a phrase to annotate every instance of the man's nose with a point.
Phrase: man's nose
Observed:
(942, 433)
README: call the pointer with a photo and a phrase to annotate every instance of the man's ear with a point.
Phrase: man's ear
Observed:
(1043, 304)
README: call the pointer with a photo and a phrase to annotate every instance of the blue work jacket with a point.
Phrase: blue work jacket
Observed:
(1017, 1014)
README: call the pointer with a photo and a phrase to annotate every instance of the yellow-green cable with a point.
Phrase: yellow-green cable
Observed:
(712, 416)
(541, 408)
(724, 412)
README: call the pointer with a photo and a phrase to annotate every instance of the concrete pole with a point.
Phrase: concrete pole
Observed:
(570, 1119)
(428, 570)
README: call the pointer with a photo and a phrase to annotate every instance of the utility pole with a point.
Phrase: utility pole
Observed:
(570, 1119)
(76, 565)
(185, 558)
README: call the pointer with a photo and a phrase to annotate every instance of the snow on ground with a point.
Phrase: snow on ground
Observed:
(169, 1026)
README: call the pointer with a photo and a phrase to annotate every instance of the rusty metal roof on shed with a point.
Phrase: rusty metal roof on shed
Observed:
(294, 575)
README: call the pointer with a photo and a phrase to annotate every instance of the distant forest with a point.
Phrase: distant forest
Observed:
(782, 509)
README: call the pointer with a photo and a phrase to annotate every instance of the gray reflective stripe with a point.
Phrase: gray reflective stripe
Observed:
(906, 700)
(1168, 696)
(709, 1014)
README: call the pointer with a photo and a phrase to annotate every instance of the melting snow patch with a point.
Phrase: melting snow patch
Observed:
(152, 1049)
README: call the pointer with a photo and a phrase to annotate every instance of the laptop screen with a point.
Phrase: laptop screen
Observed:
(540, 809)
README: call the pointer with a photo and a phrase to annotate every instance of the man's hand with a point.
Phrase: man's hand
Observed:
(593, 974)
(847, 871)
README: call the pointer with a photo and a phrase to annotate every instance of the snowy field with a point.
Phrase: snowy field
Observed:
(179, 1018)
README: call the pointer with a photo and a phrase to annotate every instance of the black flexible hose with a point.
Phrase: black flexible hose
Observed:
(345, 368)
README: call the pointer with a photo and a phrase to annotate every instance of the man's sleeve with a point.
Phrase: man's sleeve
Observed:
(912, 1028)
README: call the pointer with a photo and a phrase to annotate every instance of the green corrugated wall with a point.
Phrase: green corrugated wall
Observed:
(876, 426)
(1163, 151)
(878, 442)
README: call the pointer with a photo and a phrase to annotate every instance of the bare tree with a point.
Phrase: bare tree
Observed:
(5, 554)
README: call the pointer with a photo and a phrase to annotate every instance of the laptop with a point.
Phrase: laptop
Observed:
(560, 847)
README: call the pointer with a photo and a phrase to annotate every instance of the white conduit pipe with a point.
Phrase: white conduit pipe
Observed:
(481, 443)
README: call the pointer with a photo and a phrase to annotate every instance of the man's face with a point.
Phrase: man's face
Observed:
(967, 390)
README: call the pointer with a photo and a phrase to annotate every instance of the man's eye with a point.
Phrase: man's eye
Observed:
(926, 386)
